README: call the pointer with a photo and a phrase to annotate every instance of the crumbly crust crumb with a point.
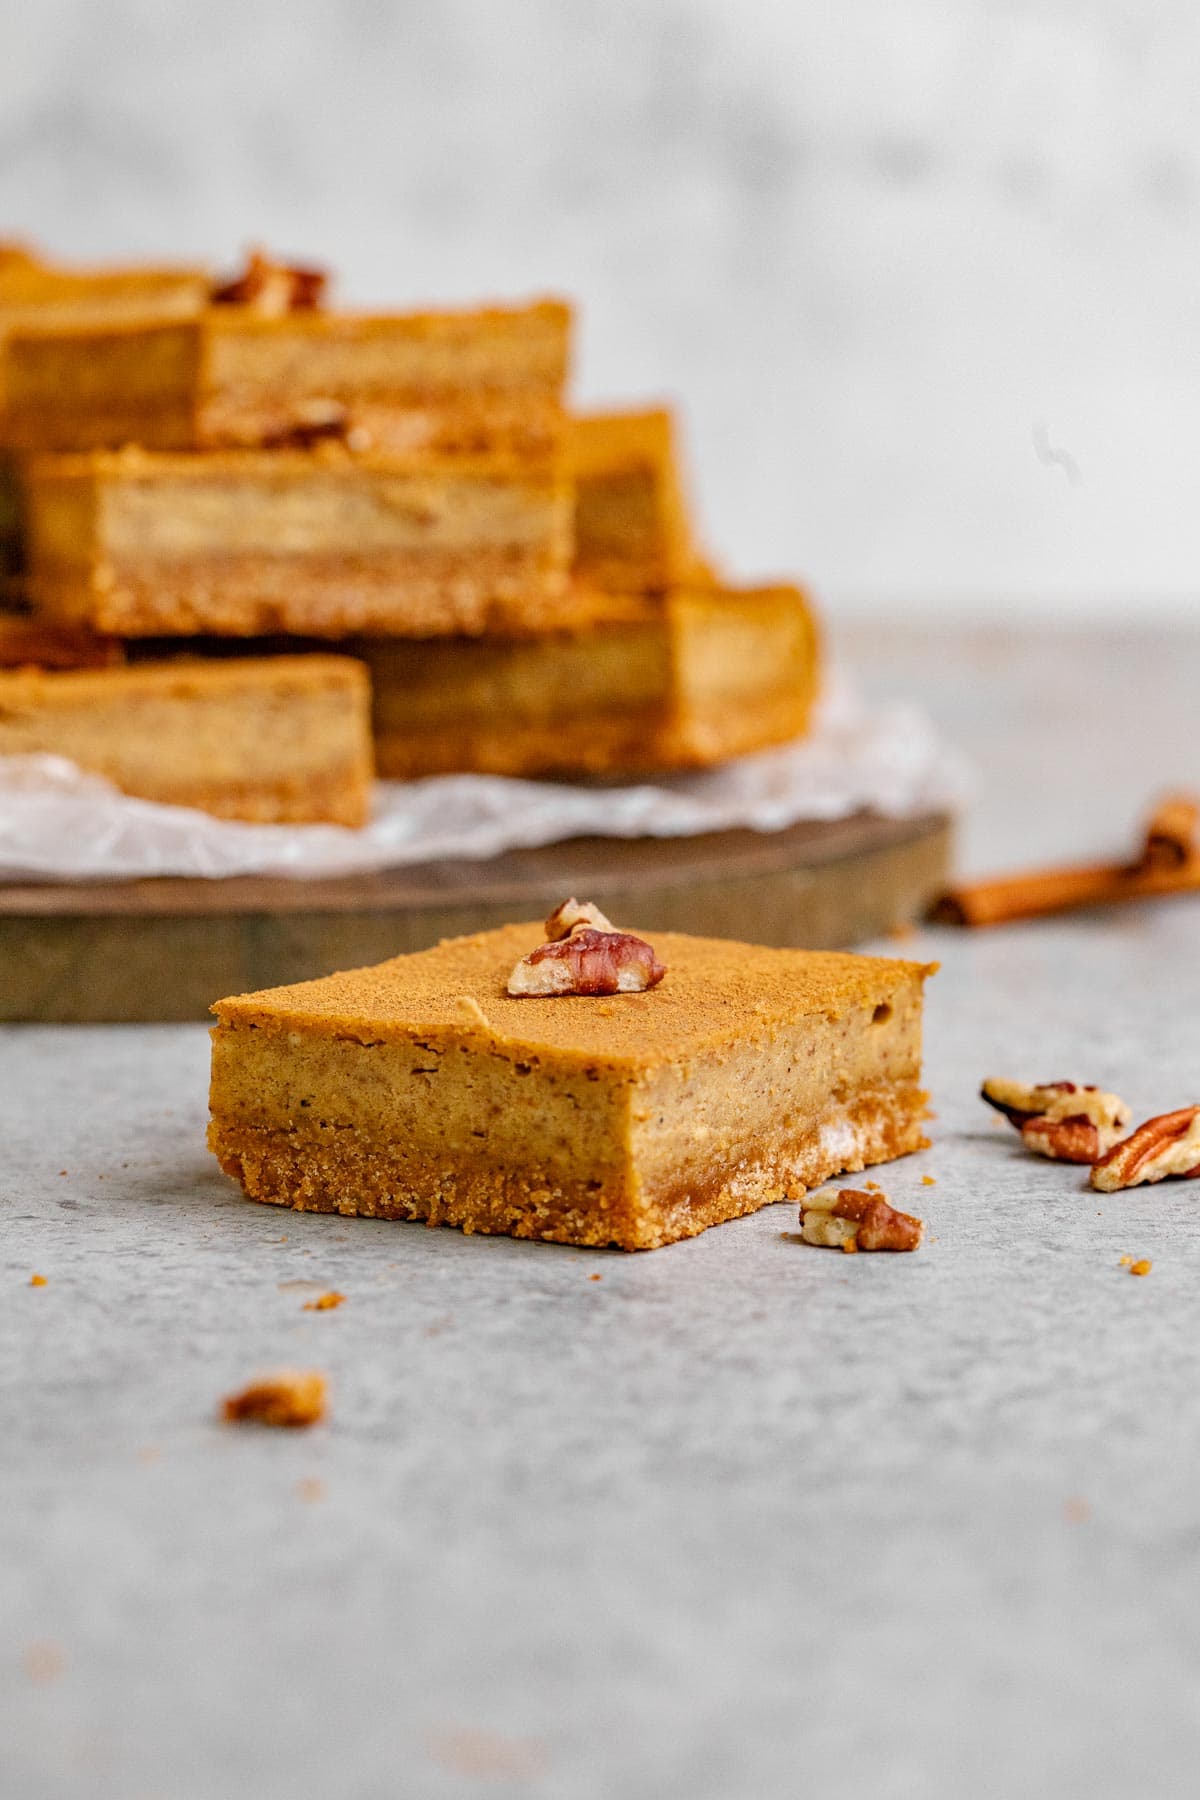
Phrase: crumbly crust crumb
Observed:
(292, 1399)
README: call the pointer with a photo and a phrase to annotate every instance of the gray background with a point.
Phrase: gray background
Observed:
(884, 253)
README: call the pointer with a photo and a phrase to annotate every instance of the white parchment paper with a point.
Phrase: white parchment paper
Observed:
(59, 824)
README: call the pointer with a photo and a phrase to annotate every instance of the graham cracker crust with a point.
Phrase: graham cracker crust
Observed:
(316, 596)
(339, 796)
(339, 1170)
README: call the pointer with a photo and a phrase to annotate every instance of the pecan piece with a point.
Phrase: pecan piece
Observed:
(1075, 1139)
(293, 1398)
(588, 962)
(854, 1220)
(1060, 1119)
(272, 288)
(1163, 1146)
(572, 915)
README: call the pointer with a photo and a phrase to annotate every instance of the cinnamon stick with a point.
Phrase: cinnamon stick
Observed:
(1169, 863)
(1057, 890)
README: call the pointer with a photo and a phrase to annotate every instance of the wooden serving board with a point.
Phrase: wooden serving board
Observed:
(149, 951)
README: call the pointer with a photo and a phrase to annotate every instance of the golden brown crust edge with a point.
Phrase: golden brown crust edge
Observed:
(339, 1171)
(470, 592)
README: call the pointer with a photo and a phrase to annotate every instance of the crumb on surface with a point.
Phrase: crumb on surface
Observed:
(929, 1181)
(324, 1302)
(1143, 1266)
(293, 1397)
(44, 1661)
(38, 1281)
(488, 1755)
(595, 1278)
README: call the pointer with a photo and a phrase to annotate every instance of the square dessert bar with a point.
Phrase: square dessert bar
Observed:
(453, 382)
(322, 542)
(632, 530)
(37, 296)
(633, 684)
(272, 739)
(421, 1090)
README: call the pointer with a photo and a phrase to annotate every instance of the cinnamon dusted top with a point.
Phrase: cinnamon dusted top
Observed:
(717, 991)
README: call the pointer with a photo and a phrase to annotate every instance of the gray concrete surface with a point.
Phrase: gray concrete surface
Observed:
(742, 1519)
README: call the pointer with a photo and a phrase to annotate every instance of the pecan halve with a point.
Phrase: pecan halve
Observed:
(1163, 1146)
(1020, 1100)
(272, 288)
(855, 1220)
(1064, 1120)
(573, 915)
(1075, 1139)
(588, 962)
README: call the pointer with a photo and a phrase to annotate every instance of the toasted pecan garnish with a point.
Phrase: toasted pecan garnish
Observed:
(272, 288)
(573, 915)
(588, 962)
(1063, 1120)
(1163, 1146)
(853, 1220)
(291, 1398)
(585, 955)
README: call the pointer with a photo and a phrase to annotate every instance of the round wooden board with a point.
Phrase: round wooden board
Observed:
(152, 951)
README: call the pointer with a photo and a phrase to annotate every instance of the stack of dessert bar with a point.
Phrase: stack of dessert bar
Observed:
(263, 547)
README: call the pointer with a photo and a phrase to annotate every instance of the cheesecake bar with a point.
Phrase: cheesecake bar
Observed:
(421, 1089)
(455, 383)
(633, 684)
(271, 739)
(318, 542)
(40, 295)
(632, 530)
